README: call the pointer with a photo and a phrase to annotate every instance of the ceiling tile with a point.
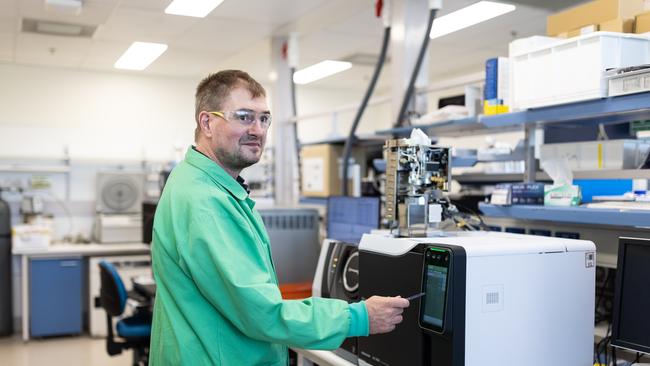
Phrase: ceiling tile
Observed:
(92, 12)
(103, 54)
(267, 12)
(138, 25)
(364, 23)
(328, 45)
(8, 25)
(184, 63)
(7, 47)
(8, 8)
(149, 5)
(223, 35)
(51, 50)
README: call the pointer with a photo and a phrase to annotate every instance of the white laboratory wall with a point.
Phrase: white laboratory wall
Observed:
(95, 115)
(315, 100)
(99, 121)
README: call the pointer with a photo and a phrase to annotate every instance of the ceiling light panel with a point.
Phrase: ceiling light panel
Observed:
(468, 16)
(140, 55)
(319, 71)
(192, 8)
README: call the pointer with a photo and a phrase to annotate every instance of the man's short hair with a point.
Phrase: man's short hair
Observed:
(213, 91)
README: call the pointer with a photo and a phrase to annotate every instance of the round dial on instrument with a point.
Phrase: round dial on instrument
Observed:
(351, 273)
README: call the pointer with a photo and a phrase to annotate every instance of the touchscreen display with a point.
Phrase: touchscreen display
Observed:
(435, 283)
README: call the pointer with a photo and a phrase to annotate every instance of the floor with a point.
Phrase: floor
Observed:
(68, 351)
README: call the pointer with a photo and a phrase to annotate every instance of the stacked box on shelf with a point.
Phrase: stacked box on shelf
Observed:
(496, 92)
(617, 25)
(642, 23)
(593, 13)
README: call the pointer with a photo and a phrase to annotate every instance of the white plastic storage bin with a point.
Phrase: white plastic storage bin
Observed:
(572, 70)
(594, 155)
(637, 81)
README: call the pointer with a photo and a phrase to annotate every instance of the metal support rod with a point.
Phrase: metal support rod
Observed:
(529, 148)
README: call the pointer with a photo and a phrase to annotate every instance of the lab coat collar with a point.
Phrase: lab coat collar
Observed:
(217, 173)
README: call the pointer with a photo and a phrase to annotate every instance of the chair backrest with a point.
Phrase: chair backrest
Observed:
(112, 294)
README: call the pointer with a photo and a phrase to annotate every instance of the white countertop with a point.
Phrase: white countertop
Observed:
(57, 249)
(325, 358)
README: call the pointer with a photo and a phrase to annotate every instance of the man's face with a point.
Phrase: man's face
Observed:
(236, 145)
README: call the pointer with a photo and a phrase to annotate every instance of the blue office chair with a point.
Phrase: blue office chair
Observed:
(134, 331)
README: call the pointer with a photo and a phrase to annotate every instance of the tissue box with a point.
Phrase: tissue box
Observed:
(30, 237)
(561, 195)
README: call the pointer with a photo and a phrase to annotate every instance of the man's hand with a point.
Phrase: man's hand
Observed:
(384, 313)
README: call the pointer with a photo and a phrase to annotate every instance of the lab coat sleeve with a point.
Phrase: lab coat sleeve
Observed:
(229, 267)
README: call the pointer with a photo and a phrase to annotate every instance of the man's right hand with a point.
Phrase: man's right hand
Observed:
(384, 313)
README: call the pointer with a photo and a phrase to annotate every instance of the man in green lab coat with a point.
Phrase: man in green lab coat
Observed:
(217, 300)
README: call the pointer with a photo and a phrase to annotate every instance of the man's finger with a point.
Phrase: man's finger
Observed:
(400, 302)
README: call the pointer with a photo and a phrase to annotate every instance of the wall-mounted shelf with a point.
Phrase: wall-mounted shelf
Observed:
(452, 128)
(619, 109)
(361, 140)
(577, 215)
(485, 178)
(28, 168)
(493, 178)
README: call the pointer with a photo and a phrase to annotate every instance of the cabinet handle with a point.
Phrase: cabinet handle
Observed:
(68, 263)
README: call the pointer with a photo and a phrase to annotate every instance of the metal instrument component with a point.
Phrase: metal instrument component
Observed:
(416, 176)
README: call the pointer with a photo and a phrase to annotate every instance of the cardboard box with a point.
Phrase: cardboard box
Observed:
(573, 33)
(562, 195)
(642, 23)
(617, 25)
(580, 31)
(594, 12)
(320, 170)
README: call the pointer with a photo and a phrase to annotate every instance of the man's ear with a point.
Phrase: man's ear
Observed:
(204, 124)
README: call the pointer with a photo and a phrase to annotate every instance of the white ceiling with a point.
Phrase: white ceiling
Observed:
(237, 34)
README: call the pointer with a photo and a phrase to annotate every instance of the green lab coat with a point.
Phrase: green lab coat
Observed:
(217, 299)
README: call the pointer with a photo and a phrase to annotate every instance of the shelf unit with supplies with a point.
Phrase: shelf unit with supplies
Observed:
(618, 109)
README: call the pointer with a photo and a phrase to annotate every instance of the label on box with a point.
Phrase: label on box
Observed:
(528, 194)
(30, 236)
(501, 195)
(313, 174)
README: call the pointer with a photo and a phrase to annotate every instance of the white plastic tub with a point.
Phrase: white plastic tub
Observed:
(572, 70)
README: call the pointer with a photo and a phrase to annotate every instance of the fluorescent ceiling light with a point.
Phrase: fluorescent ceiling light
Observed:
(67, 6)
(140, 55)
(468, 16)
(320, 70)
(192, 8)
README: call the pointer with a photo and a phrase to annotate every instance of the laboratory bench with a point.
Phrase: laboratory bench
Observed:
(53, 283)
(631, 217)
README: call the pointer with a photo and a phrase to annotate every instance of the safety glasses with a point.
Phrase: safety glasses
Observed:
(245, 117)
